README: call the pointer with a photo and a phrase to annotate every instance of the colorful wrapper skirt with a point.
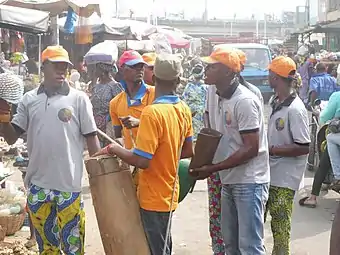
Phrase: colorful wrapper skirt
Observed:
(58, 219)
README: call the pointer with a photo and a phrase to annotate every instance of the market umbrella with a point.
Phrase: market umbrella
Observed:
(175, 38)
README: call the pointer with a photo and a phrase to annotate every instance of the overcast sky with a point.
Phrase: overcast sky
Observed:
(216, 8)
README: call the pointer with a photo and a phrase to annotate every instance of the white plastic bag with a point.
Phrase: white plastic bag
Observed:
(162, 44)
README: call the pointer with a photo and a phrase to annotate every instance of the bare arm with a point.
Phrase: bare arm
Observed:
(187, 149)
(10, 133)
(247, 151)
(129, 157)
(93, 144)
(290, 150)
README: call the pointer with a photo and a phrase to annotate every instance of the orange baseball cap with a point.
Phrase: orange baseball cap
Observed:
(150, 58)
(55, 53)
(242, 56)
(283, 66)
(225, 56)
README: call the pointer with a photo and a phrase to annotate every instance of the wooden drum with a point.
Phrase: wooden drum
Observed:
(116, 206)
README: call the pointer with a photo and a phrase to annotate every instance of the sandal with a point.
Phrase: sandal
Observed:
(335, 186)
(307, 203)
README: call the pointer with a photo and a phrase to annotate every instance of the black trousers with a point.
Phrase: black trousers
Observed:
(321, 173)
(155, 224)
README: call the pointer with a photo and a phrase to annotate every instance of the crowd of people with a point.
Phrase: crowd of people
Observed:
(255, 170)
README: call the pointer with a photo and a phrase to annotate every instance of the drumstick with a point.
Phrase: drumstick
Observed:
(105, 136)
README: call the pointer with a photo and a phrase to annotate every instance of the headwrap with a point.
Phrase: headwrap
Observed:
(197, 71)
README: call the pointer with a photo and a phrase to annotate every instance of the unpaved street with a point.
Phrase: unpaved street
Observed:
(311, 227)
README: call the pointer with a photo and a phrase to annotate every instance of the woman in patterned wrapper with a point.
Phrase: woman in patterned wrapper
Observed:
(103, 91)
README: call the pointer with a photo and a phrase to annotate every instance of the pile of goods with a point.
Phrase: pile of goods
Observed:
(16, 248)
(12, 208)
(325, 56)
(12, 201)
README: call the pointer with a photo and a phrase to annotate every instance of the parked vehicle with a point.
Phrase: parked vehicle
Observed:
(256, 69)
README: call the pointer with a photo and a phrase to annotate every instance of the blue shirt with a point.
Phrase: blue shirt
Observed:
(324, 85)
(332, 109)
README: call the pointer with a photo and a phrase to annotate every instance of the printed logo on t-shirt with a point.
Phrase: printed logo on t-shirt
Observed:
(279, 124)
(227, 118)
(65, 114)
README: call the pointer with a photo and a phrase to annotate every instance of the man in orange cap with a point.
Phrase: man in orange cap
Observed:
(288, 138)
(253, 88)
(56, 119)
(242, 157)
(149, 58)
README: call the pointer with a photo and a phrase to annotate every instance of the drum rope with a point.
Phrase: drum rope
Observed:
(168, 228)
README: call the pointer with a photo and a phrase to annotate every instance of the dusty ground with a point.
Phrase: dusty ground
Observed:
(311, 227)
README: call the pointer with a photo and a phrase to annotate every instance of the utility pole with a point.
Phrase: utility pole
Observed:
(205, 16)
(54, 30)
(265, 26)
(117, 11)
(308, 12)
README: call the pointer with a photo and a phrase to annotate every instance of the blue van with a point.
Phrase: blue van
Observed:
(256, 68)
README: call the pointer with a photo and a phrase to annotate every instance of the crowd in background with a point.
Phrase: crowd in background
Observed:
(135, 99)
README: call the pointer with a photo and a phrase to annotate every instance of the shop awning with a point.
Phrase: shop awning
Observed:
(55, 7)
(325, 27)
(328, 27)
(23, 20)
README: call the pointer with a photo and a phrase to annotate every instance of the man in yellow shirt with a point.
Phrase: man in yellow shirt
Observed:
(126, 108)
(164, 136)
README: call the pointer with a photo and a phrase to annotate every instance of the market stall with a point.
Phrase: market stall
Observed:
(23, 20)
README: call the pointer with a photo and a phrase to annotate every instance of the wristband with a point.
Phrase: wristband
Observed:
(107, 150)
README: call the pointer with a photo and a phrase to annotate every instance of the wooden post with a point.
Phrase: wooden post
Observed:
(116, 206)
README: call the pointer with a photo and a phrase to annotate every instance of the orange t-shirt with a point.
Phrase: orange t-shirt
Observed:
(163, 127)
(122, 106)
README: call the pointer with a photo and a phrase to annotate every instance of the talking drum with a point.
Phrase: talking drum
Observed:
(116, 206)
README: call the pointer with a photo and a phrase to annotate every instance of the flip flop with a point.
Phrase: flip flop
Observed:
(303, 202)
(335, 186)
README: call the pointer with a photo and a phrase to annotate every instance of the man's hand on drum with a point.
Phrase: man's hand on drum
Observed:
(108, 150)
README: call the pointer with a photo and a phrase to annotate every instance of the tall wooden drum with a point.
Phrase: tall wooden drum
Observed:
(116, 206)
